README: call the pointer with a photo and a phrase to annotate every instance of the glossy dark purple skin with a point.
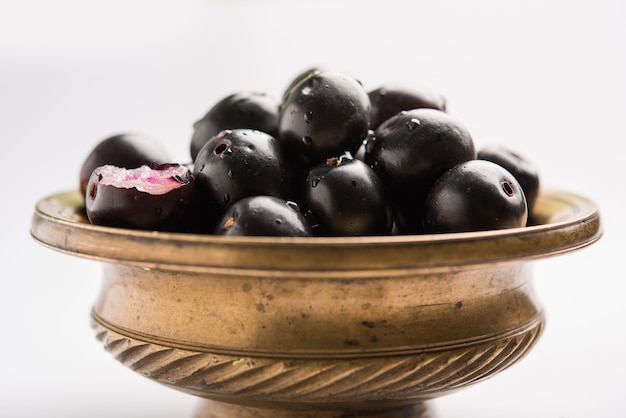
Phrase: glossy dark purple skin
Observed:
(324, 115)
(410, 151)
(387, 101)
(526, 173)
(121, 207)
(252, 110)
(310, 72)
(263, 216)
(128, 150)
(477, 195)
(237, 164)
(344, 197)
(360, 152)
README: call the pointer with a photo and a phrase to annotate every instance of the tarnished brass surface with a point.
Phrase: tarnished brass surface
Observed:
(318, 327)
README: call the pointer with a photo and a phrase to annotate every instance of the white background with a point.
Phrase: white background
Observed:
(544, 77)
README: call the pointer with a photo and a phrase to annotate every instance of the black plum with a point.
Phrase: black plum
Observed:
(477, 195)
(410, 151)
(246, 109)
(263, 216)
(324, 115)
(524, 170)
(127, 150)
(158, 197)
(387, 101)
(241, 163)
(344, 197)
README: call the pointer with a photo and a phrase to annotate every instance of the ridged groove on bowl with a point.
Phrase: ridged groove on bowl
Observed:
(320, 383)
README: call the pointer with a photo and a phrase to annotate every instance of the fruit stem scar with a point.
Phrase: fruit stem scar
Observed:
(220, 148)
(508, 188)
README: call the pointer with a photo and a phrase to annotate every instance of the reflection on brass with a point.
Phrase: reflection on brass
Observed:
(318, 327)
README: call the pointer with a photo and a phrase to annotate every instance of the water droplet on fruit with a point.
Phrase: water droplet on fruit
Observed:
(293, 205)
(353, 183)
(413, 123)
(278, 221)
(307, 140)
(315, 182)
(310, 84)
(226, 198)
(308, 116)
(230, 174)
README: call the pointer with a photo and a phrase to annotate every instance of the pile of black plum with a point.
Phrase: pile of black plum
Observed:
(327, 159)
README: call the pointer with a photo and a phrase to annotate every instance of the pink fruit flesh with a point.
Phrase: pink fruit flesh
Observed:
(154, 180)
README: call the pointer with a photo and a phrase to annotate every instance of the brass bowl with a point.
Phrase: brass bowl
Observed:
(318, 327)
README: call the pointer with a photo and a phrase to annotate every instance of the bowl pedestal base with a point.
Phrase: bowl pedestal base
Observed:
(213, 409)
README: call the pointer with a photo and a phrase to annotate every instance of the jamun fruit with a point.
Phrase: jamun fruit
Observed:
(344, 197)
(477, 195)
(521, 167)
(263, 216)
(246, 109)
(159, 197)
(387, 101)
(326, 114)
(241, 163)
(410, 151)
(127, 150)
